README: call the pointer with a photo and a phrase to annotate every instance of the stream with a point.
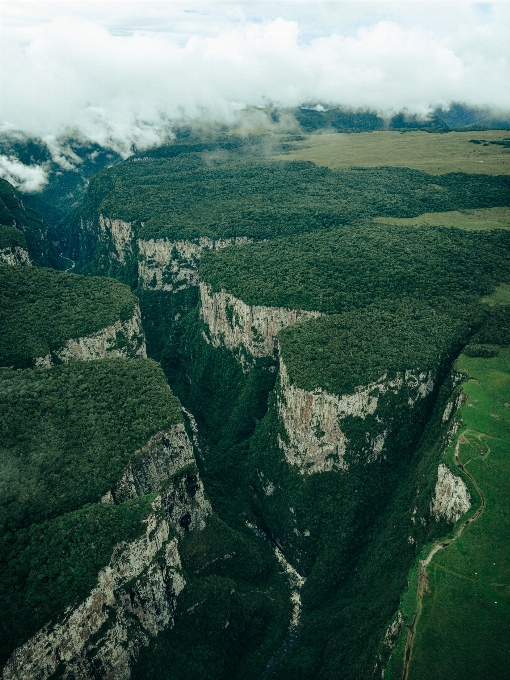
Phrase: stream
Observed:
(69, 260)
(296, 581)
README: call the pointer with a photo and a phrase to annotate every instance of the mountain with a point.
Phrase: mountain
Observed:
(329, 500)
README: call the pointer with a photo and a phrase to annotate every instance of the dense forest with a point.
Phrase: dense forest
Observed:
(397, 303)
(40, 309)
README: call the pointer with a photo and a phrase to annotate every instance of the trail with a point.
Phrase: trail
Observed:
(295, 579)
(439, 545)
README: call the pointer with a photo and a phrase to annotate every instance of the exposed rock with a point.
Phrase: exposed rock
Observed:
(121, 236)
(14, 256)
(451, 499)
(166, 464)
(393, 631)
(173, 265)
(234, 324)
(314, 440)
(134, 599)
(123, 339)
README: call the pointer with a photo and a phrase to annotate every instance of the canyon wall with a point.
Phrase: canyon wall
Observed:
(312, 421)
(173, 265)
(235, 325)
(123, 339)
(14, 256)
(134, 599)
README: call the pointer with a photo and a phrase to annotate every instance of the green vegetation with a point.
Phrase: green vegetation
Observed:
(10, 237)
(231, 616)
(432, 152)
(463, 627)
(36, 236)
(227, 404)
(487, 218)
(40, 309)
(47, 567)
(188, 197)
(68, 432)
(343, 351)
(352, 267)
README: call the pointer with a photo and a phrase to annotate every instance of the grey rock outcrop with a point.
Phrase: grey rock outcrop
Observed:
(121, 340)
(451, 498)
(134, 599)
(166, 465)
(14, 256)
(314, 440)
(235, 325)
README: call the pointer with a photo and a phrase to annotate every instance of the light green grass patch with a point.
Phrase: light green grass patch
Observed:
(501, 296)
(432, 152)
(479, 219)
(463, 631)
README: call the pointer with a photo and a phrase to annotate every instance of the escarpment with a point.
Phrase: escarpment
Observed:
(52, 317)
(14, 255)
(121, 340)
(166, 464)
(161, 264)
(169, 265)
(134, 599)
(314, 440)
(235, 325)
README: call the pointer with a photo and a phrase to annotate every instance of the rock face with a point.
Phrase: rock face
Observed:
(120, 234)
(161, 264)
(166, 464)
(124, 339)
(134, 599)
(451, 499)
(14, 256)
(314, 440)
(236, 325)
(173, 265)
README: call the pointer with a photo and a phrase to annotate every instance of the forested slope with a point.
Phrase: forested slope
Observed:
(315, 352)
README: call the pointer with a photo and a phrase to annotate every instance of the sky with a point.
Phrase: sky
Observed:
(122, 73)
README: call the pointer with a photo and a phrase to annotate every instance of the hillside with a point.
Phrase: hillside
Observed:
(309, 316)
(41, 309)
(24, 228)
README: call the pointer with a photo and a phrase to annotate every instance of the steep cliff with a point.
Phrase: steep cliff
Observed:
(25, 236)
(99, 632)
(237, 326)
(134, 599)
(123, 339)
(49, 316)
(314, 440)
(14, 256)
(173, 265)
(166, 464)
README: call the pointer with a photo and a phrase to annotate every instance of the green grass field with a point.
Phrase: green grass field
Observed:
(479, 219)
(462, 629)
(432, 152)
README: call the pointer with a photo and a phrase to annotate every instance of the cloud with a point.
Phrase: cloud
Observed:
(122, 80)
(29, 178)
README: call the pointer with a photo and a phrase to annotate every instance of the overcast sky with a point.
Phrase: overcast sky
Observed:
(119, 71)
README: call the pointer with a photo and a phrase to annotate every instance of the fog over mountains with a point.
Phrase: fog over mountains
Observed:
(123, 75)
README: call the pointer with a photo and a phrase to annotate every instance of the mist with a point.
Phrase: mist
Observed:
(123, 74)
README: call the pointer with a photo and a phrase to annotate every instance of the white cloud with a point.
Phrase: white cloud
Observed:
(30, 178)
(119, 73)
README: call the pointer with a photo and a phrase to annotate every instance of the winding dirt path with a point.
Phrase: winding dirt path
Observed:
(423, 584)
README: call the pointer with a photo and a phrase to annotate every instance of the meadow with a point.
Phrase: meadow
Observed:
(434, 153)
(463, 628)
